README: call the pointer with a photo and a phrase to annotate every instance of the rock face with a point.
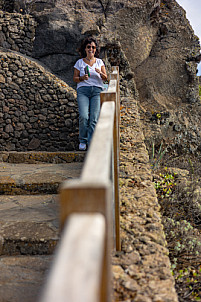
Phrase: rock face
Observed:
(155, 37)
(61, 28)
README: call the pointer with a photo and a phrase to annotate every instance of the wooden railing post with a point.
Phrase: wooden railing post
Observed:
(116, 147)
(79, 197)
(78, 270)
(115, 75)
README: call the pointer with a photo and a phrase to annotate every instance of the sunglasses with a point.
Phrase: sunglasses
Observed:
(90, 46)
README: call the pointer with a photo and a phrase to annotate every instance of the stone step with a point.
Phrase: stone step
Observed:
(33, 157)
(29, 225)
(43, 178)
(22, 277)
(29, 218)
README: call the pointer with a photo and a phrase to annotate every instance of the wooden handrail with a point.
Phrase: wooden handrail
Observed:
(79, 261)
(99, 154)
(109, 96)
(94, 192)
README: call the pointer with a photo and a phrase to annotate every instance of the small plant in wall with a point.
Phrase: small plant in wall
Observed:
(156, 156)
(165, 185)
(184, 246)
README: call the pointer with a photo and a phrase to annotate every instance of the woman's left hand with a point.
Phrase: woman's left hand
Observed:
(102, 73)
(98, 70)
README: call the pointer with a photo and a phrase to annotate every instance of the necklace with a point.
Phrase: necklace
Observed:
(89, 59)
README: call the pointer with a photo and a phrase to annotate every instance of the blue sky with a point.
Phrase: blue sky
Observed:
(193, 13)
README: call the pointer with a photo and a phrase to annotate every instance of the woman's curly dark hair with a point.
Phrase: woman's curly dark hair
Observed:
(84, 43)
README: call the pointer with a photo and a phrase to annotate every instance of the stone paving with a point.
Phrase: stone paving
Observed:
(29, 224)
(23, 277)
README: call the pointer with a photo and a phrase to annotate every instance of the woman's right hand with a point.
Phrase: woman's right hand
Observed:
(84, 77)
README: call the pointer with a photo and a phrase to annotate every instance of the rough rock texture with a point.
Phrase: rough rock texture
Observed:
(179, 130)
(169, 71)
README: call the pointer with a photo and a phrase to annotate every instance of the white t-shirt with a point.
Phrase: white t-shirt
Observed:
(95, 78)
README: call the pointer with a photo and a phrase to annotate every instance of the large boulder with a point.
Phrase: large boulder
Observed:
(156, 39)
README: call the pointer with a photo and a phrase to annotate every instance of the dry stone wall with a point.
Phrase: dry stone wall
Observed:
(37, 110)
(141, 271)
(17, 32)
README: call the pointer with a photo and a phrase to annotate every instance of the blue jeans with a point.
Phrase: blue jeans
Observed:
(88, 98)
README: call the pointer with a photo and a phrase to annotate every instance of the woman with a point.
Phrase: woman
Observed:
(89, 74)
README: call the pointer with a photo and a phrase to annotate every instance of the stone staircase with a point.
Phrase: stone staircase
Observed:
(29, 218)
